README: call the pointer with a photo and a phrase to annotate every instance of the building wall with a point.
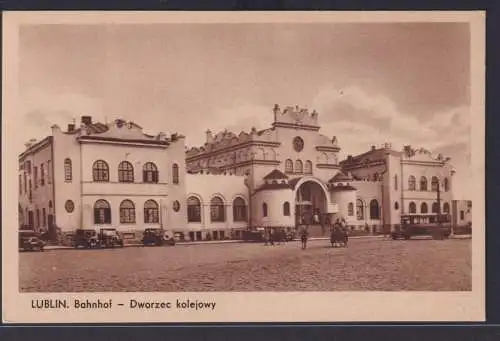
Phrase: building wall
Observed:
(342, 199)
(205, 187)
(66, 146)
(392, 191)
(461, 209)
(275, 200)
(42, 195)
(366, 192)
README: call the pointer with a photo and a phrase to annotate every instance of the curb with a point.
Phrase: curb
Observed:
(213, 242)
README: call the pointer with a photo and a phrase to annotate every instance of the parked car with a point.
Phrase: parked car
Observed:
(109, 237)
(86, 238)
(30, 241)
(157, 237)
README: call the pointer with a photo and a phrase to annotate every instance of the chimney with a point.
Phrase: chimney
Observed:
(373, 148)
(86, 120)
(209, 136)
(349, 158)
(71, 127)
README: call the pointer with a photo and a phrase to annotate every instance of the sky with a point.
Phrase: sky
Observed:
(401, 83)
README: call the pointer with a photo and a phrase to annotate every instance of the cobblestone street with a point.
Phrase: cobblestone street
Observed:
(367, 264)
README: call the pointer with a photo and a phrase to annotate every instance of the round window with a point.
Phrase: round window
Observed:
(70, 206)
(396, 205)
(298, 144)
(177, 206)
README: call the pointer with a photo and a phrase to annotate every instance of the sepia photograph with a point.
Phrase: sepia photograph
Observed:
(283, 155)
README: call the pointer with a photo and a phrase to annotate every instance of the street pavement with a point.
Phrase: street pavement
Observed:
(366, 264)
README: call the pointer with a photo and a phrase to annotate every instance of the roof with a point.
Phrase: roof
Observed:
(276, 174)
(341, 176)
(271, 186)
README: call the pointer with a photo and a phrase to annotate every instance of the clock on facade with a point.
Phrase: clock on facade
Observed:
(69, 205)
(298, 144)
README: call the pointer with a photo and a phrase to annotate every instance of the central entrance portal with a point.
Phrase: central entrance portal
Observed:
(310, 198)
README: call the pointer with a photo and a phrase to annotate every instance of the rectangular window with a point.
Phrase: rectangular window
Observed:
(44, 216)
(20, 184)
(42, 175)
(462, 215)
(35, 175)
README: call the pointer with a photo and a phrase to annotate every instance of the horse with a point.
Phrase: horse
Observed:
(338, 237)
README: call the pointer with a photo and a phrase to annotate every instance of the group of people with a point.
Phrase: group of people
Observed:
(273, 236)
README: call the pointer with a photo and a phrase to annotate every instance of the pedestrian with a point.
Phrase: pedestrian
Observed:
(303, 237)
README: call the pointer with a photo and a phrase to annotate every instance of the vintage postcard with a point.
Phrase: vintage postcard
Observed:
(243, 167)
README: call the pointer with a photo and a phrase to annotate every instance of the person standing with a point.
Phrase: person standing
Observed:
(303, 237)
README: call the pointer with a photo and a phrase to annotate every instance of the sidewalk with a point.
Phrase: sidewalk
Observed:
(58, 247)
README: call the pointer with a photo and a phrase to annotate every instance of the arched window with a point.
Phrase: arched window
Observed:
(68, 170)
(127, 212)
(446, 185)
(151, 212)
(149, 173)
(298, 166)
(125, 172)
(423, 183)
(434, 184)
(360, 209)
(102, 212)
(396, 205)
(194, 210)
(446, 208)
(239, 209)
(374, 210)
(413, 207)
(308, 167)
(288, 166)
(350, 209)
(100, 171)
(37, 218)
(42, 175)
(286, 209)
(423, 208)
(435, 207)
(217, 211)
(175, 174)
(375, 177)
(412, 183)
(264, 210)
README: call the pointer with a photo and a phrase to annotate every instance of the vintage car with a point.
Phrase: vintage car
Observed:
(109, 237)
(416, 225)
(86, 238)
(254, 235)
(30, 241)
(157, 237)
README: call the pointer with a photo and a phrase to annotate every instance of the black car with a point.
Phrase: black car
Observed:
(86, 238)
(157, 237)
(109, 237)
(30, 241)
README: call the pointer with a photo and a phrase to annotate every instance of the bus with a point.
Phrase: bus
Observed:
(437, 226)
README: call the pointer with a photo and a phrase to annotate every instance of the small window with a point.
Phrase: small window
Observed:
(286, 209)
(396, 182)
(42, 175)
(413, 207)
(151, 212)
(423, 208)
(298, 166)
(49, 172)
(239, 209)
(194, 210)
(102, 212)
(100, 171)
(423, 183)
(360, 209)
(446, 185)
(35, 174)
(434, 184)
(374, 210)
(44, 217)
(127, 212)
(150, 173)
(125, 172)
(462, 215)
(412, 183)
(396, 206)
(308, 167)
(68, 170)
(350, 209)
(288, 166)
(217, 210)
(264, 210)
(175, 174)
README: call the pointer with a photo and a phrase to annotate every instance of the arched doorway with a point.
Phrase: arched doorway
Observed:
(310, 198)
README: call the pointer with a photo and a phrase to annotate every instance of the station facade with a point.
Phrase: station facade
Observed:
(115, 175)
